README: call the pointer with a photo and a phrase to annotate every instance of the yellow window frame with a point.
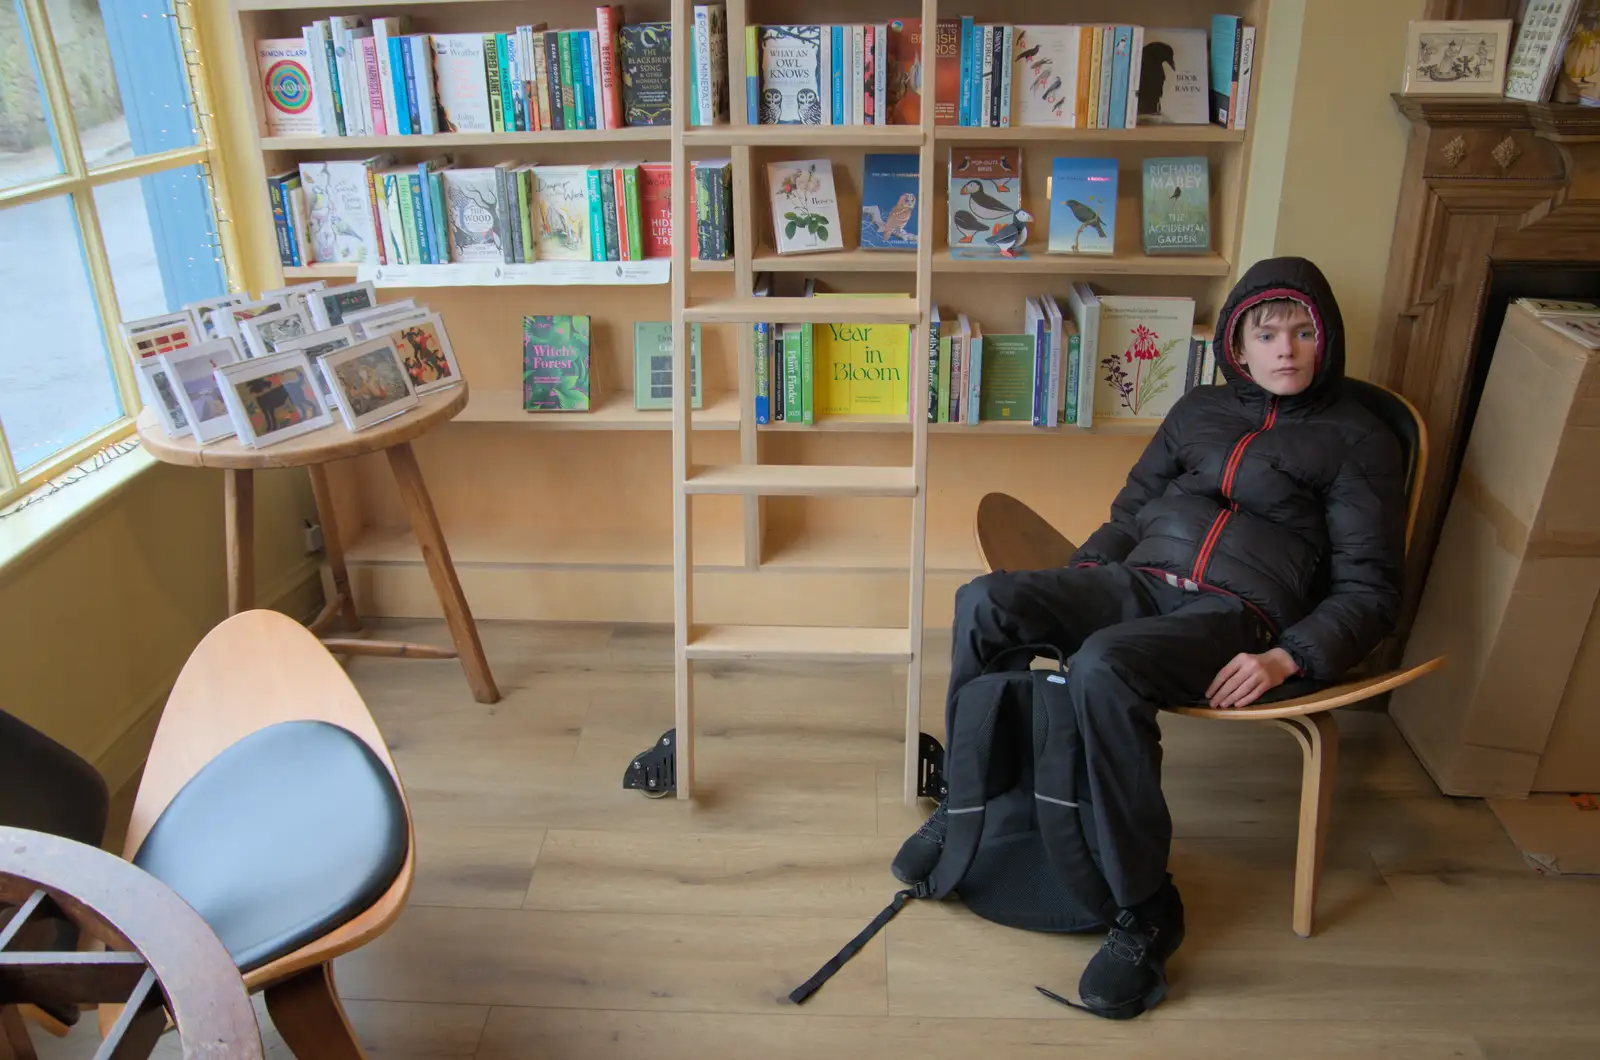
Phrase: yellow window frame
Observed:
(77, 182)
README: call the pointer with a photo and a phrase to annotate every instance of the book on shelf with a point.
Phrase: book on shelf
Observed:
(652, 365)
(985, 200)
(1174, 82)
(866, 368)
(555, 364)
(361, 76)
(805, 207)
(284, 67)
(1177, 205)
(890, 217)
(1141, 354)
(1083, 206)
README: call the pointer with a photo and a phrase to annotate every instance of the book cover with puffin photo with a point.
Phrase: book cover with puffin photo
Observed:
(986, 216)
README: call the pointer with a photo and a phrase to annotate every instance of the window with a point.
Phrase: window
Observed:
(106, 214)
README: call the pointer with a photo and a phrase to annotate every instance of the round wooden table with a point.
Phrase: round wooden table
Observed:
(312, 451)
(161, 959)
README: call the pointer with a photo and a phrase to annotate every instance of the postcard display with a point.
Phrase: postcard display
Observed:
(998, 201)
(264, 370)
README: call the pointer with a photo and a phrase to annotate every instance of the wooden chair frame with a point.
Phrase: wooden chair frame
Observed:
(256, 669)
(1011, 536)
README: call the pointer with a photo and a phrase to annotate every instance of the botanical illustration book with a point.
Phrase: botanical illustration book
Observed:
(805, 209)
(1142, 353)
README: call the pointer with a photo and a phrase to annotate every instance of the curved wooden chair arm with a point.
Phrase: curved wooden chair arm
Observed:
(1340, 695)
(256, 669)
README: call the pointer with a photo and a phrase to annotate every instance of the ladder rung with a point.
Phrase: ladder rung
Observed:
(815, 643)
(872, 136)
(885, 309)
(803, 480)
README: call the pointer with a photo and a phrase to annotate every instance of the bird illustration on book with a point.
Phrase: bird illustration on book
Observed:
(1088, 217)
(894, 225)
(810, 106)
(1159, 63)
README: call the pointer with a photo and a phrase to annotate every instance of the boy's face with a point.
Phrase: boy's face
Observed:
(1280, 354)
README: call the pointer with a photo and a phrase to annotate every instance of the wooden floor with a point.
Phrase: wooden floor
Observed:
(556, 916)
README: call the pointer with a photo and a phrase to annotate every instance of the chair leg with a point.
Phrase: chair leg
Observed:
(1318, 735)
(306, 1011)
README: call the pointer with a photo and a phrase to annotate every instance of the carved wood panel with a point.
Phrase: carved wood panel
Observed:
(1484, 182)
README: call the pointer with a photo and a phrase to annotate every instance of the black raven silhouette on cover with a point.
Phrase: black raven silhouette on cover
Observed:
(1156, 58)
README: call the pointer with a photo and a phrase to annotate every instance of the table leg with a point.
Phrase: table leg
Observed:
(239, 523)
(333, 546)
(436, 554)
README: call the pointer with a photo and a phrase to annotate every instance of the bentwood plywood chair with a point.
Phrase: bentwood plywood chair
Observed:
(271, 805)
(1011, 536)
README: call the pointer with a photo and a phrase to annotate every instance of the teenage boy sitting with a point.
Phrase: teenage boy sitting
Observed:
(1260, 536)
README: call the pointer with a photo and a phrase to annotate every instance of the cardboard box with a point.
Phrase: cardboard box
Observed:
(1511, 592)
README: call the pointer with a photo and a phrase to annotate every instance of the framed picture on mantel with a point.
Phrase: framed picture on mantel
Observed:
(1457, 58)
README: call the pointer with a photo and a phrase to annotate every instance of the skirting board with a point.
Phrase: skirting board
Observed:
(782, 597)
(298, 592)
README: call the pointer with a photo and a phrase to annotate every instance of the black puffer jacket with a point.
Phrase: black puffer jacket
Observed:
(1295, 504)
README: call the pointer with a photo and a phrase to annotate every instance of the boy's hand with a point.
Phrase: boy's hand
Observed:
(1247, 677)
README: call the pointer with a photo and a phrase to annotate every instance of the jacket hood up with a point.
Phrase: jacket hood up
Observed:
(1286, 277)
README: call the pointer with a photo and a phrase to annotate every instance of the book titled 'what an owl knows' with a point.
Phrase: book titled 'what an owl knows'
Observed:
(1177, 206)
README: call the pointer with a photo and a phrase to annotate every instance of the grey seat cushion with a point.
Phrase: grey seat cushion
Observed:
(287, 834)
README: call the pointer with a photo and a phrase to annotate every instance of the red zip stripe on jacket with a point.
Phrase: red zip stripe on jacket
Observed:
(1234, 459)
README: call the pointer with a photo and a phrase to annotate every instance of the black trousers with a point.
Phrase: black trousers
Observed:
(1134, 643)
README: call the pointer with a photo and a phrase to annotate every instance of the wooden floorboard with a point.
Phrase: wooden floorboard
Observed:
(557, 916)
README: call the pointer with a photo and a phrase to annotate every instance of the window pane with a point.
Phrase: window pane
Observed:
(126, 76)
(27, 140)
(56, 386)
(161, 239)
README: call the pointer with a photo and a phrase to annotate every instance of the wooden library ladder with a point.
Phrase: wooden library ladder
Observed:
(750, 478)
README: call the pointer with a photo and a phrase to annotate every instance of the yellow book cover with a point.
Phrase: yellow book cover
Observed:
(863, 369)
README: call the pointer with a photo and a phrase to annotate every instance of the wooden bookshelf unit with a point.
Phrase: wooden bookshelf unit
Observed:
(837, 541)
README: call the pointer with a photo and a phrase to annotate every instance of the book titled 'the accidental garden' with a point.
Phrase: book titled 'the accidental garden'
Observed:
(1177, 206)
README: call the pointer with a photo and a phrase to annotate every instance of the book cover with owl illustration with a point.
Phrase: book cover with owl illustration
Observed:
(1177, 205)
(805, 209)
(986, 214)
(562, 228)
(1083, 206)
(791, 75)
(889, 214)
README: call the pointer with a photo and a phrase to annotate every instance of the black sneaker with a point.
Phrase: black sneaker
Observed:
(920, 853)
(1129, 973)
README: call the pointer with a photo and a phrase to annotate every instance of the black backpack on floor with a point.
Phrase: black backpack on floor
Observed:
(1021, 848)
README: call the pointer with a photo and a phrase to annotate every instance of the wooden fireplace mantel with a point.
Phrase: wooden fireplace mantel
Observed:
(1485, 181)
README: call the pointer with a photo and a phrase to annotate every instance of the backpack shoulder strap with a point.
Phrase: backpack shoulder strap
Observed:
(1057, 751)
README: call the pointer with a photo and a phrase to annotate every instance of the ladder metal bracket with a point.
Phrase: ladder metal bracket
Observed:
(655, 771)
(931, 783)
